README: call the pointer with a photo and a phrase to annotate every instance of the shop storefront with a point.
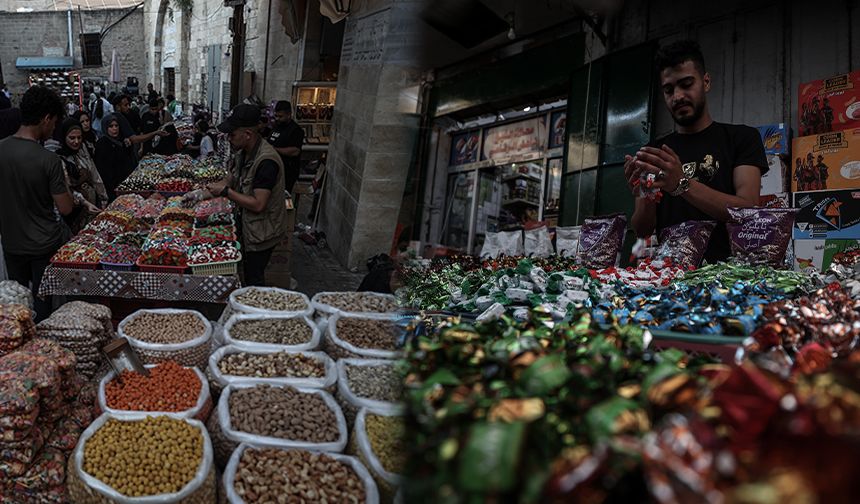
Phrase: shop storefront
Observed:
(503, 176)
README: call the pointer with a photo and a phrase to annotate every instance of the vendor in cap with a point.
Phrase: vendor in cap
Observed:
(256, 186)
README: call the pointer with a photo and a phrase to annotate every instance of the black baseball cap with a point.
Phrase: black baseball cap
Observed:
(242, 116)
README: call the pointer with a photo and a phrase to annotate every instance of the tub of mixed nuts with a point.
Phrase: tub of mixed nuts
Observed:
(330, 303)
(303, 476)
(266, 301)
(271, 332)
(232, 364)
(363, 335)
(167, 334)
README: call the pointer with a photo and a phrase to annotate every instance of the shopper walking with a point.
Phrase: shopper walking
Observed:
(256, 185)
(114, 159)
(82, 177)
(101, 108)
(287, 138)
(32, 190)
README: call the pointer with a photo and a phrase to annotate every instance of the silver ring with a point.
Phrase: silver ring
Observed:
(661, 174)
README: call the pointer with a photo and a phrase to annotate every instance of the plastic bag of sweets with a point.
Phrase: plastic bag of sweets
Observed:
(600, 241)
(537, 242)
(760, 236)
(567, 240)
(685, 243)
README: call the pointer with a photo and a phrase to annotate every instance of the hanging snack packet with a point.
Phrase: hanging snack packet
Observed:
(600, 241)
(685, 243)
(760, 235)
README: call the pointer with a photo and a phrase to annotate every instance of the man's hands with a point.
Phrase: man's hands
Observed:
(662, 162)
(91, 209)
(215, 188)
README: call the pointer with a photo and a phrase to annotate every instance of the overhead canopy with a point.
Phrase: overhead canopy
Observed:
(44, 63)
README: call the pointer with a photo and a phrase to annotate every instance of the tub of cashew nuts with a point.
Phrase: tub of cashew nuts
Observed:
(183, 336)
(363, 336)
(277, 416)
(261, 475)
(271, 332)
(232, 364)
(266, 301)
(142, 460)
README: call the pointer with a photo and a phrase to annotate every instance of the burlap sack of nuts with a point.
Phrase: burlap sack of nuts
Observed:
(271, 332)
(380, 449)
(232, 364)
(266, 301)
(197, 482)
(362, 336)
(305, 476)
(331, 303)
(282, 417)
(166, 334)
(368, 383)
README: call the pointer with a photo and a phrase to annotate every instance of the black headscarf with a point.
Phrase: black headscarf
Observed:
(106, 122)
(89, 136)
(67, 126)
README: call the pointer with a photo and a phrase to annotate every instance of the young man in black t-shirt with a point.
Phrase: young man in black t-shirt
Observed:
(704, 167)
(149, 123)
(287, 138)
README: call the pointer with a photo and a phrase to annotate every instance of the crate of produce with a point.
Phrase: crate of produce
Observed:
(154, 268)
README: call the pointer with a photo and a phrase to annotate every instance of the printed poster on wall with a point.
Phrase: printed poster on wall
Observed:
(464, 148)
(515, 139)
(557, 123)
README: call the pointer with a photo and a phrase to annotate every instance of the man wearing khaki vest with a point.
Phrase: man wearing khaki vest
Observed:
(256, 186)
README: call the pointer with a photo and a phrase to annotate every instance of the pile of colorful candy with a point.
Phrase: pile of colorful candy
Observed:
(212, 253)
(126, 203)
(730, 274)
(214, 233)
(215, 211)
(74, 252)
(133, 239)
(648, 273)
(174, 184)
(150, 209)
(165, 247)
(118, 253)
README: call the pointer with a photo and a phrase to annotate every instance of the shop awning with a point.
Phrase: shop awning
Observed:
(44, 63)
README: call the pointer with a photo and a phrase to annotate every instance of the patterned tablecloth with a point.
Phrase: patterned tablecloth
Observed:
(139, 285)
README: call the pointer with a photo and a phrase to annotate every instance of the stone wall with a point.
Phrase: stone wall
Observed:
(46, 34)
(373, 137)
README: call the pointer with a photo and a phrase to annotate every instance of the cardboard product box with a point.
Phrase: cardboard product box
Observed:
(831, 104)
(775, 139)
(775, 181)
(827, 161)
(827, 214)
(781, 200)
(817, 255)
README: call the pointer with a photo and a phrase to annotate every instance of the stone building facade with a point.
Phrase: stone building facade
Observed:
(46, 33)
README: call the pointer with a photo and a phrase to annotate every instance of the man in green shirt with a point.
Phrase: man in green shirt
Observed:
(32, 190)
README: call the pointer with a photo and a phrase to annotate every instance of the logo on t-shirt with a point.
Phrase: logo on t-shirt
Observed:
(704, 171)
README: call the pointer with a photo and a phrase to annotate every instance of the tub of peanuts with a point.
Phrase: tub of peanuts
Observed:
(169, 388)
(183, 336)
(266, 301)
(232, 364)
(303, 476)
(277, 416)
(142, 460)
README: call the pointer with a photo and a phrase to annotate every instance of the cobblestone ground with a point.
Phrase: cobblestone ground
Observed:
(313, 269)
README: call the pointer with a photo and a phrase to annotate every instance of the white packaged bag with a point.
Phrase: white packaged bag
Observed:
(230, 339)
(511, 243)
(537, 242)
(222, 379)
(567, 240)
(97, 485)
(490, 248)
(223, 412)
(202, 397)
(371, 494)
